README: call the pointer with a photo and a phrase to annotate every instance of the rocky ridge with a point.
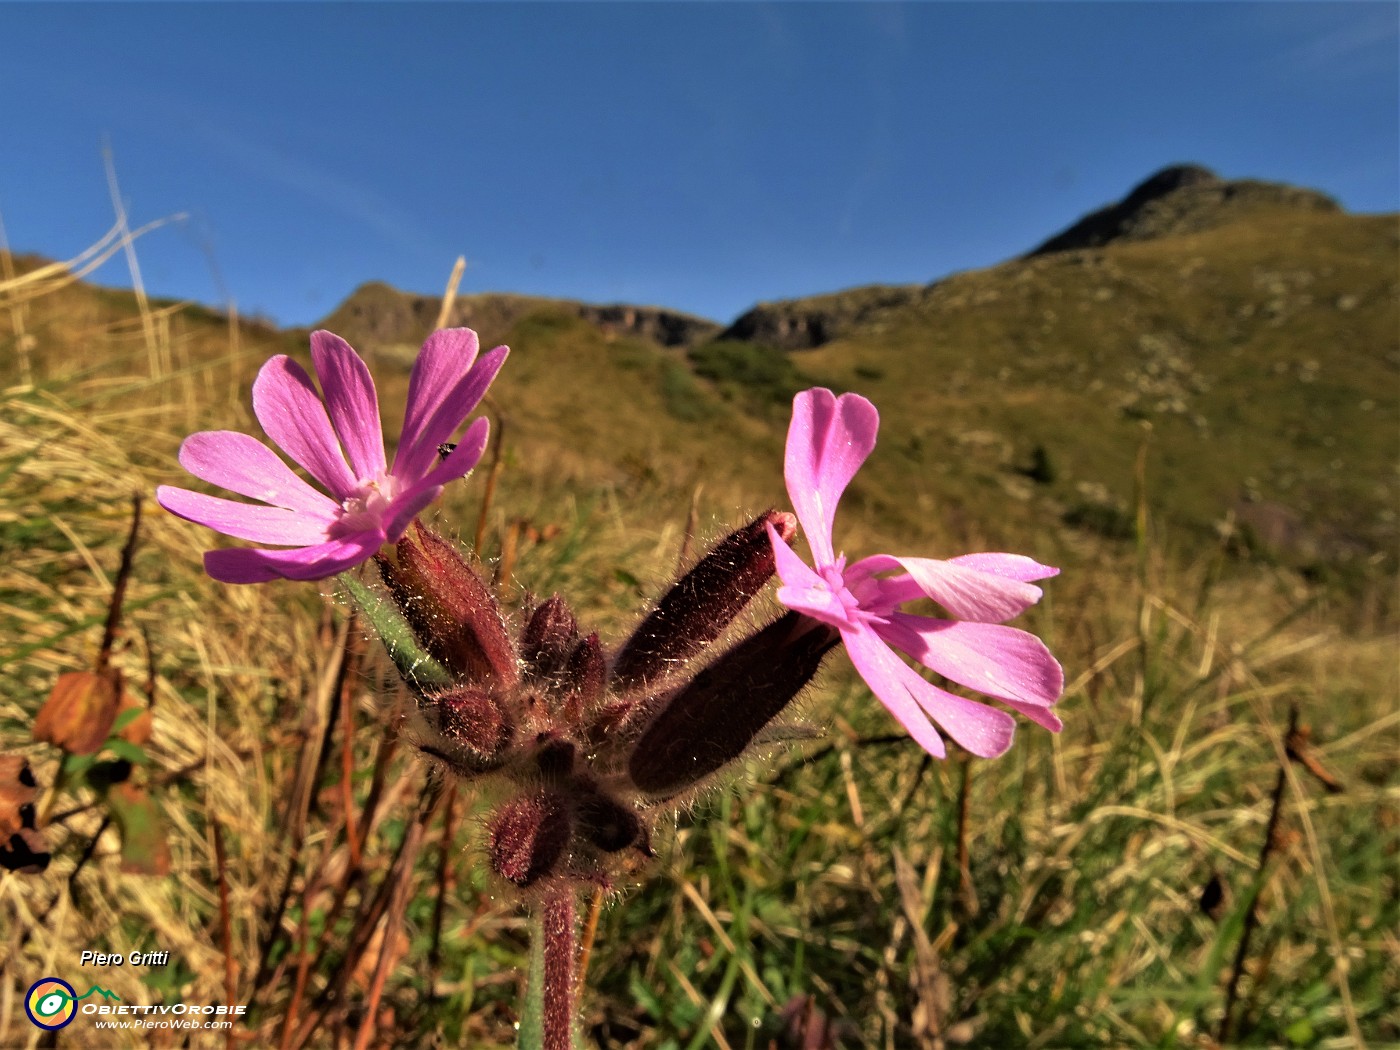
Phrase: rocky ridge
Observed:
(803, 324)
(1178, 200)
(377, 316)
(1181, 199)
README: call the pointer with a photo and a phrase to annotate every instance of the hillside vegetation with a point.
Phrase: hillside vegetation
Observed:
(1197, 426)
(1247, 334)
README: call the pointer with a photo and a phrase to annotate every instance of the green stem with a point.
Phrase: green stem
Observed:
(548, 1020)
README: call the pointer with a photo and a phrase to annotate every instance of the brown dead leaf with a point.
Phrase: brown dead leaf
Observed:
(17, 790)
(138, 730)
(1284, 839)
(79, 712)
(1299, 746)
(25, 851)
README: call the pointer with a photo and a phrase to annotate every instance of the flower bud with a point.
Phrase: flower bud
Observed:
(555, 757)
(584, 676)
(450, 609)
(609, 824)
(473, 720)
(713, 719)
(606, 723)
(528, 836)
(702, 603)
(549, 637)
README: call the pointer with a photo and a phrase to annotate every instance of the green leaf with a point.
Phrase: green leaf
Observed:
(133, 753)
(131, 714)
(1301, 1033)
(144, 848)
(74, 766)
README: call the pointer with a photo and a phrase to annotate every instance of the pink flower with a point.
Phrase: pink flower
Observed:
(829, 439)
(340, 444)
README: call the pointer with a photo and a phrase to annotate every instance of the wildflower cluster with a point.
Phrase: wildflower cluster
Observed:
(587, 743)
(592, 743)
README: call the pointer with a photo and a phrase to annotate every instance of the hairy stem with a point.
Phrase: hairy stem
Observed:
(559, 931)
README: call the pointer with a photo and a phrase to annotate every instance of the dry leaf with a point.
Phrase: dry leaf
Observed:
(25, 852)
(17, 790)
(138, 730)
(79, 712)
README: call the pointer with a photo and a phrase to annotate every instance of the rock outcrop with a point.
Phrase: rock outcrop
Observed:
(1184, 198)
(802, 324)
(376, 316)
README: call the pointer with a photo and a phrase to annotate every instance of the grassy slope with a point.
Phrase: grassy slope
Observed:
(1077, 924)
(1231, 343)
(1260, 354)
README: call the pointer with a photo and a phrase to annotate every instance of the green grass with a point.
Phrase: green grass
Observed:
(754, 376)
(1074, 352)
(1076, 922)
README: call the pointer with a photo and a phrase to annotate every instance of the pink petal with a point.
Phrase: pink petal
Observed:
(407, 507)
(446, 357)
(243, 521)
(417, 453)
(459, 463)
(246, 466)
(803, 590)
(985, 731)
(828, 439)
(1003, 662)
(351, 401)
(463, 459)
(1044, 716)
(286, 405)
(967, 593)
(1012, 566)
(888, 678)
(252, 565)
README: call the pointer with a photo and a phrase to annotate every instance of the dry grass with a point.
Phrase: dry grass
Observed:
(1062, 912)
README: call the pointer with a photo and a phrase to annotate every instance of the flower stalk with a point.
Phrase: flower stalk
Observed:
(559, 930)
(549, 1020)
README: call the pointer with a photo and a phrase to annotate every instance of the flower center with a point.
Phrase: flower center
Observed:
(368, 508)
(836, 583)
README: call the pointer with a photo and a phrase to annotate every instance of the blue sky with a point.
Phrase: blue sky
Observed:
(697, 156)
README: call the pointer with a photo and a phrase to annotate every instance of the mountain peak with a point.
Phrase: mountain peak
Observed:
(1180, 199)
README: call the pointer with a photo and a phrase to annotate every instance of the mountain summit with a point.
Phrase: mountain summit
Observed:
(1183, 198)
